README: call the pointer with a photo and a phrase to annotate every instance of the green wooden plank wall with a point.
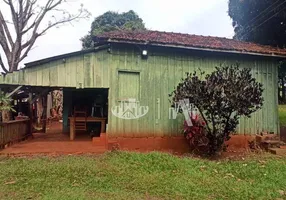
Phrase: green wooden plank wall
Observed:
(85, 71)
(158, 75)
(162, 71)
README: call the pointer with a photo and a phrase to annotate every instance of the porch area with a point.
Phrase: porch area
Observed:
(56, 142)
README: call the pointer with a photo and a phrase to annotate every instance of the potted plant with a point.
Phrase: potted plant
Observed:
(5, 106)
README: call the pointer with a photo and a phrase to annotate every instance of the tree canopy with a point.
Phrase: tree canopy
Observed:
(259, 21)
(262, 22)
(112, 21)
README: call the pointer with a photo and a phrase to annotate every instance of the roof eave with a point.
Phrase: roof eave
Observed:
(63, 56)
(197, 48)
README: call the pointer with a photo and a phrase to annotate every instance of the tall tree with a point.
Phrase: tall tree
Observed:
(263, 22)
(111, 21)
(260, 21)
(27, 21)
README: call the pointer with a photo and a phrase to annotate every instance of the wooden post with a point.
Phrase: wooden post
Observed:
(72, 131)
(30, 113)
(283, 90)
(44, 114)
(67, 106)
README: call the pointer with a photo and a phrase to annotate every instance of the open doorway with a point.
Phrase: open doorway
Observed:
(85, 112)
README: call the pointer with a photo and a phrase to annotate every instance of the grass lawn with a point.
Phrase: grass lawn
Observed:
(282, 114)
(141, 176)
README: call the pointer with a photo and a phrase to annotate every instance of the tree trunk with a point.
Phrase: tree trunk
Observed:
(279, 93)
(283, 89)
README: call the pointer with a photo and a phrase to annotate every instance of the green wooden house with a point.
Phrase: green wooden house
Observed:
(135, 72)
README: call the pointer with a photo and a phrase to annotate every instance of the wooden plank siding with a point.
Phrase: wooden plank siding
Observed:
(13, 131)
(85, 71)
(159, 75)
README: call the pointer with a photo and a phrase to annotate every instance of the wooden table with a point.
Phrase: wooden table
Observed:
(86, 119)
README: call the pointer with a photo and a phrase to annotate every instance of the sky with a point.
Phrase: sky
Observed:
(201, 17)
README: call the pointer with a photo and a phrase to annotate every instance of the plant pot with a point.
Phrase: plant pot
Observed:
(5, 116)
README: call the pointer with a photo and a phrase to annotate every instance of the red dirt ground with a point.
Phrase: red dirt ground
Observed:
(53, 142)
(56, 143)
(237, 146)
